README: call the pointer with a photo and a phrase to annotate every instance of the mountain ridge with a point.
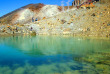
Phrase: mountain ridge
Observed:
(12, 16)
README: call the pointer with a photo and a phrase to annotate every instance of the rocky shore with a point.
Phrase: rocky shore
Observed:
(13, 30)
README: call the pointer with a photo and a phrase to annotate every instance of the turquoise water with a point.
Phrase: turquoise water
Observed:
(54, 55)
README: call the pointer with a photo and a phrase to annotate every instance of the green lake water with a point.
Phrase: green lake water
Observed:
(54, 55)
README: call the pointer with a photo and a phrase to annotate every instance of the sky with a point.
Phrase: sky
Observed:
(7, 6)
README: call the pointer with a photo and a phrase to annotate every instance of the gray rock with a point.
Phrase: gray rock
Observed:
(108, 24)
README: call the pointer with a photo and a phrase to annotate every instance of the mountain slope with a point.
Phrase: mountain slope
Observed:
(26, 13)
(8, 18)
(87, 22)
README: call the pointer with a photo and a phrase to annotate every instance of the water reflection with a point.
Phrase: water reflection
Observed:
(50, 45)
(53, 54)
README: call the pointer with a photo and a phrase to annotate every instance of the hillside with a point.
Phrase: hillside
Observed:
(90, 21)
(87, 22)
(25, 14)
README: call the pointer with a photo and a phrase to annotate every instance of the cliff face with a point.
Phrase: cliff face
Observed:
(26, 13)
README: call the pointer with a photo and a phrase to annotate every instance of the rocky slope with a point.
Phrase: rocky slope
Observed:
(14, 17)
(87, 22)
(83, 21)
(26, 13)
